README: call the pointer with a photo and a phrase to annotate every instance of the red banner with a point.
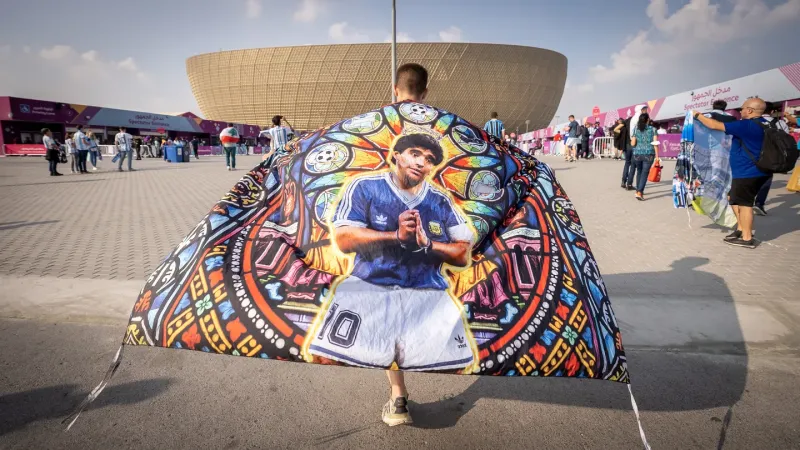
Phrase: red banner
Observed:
(25, 149)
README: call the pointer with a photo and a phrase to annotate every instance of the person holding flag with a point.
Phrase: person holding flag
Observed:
(229, 137)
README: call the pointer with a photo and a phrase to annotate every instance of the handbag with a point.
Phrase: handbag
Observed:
(794, 181)
(655, 172)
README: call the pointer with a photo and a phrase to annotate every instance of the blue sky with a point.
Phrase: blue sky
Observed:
(132, 54)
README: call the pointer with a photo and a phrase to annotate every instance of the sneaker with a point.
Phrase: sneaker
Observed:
(759, 210)
(94, 169)
(229, 168)
(629, 187)
(739, 242)
(639, 196)
(623, 186)
(733, 236)
(120, 169)
(395, 412)
(58, 174)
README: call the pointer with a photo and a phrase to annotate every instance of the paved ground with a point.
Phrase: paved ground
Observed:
(706, 326)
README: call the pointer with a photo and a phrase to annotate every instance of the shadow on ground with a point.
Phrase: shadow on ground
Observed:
(693, 376)
(56, 402)
(13, 225)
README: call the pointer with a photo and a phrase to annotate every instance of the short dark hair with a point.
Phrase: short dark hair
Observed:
(230, 124)
(122, 128)
(412, 78)
(494, 114)
(276, 120)
(79, 127)
(571, 116)
(45, 130)
(420, 140)
(721, 105)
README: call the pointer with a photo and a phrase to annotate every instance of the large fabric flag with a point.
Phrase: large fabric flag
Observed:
(403, 238)
(703, 172)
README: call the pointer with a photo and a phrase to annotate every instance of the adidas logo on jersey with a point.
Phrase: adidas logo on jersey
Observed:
(461, 341)
(380, 219)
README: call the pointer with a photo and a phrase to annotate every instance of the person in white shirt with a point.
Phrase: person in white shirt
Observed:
(661, 130)
(124, 142)
(81, 143)
(73, 153)
(51, 149)
(278, 136)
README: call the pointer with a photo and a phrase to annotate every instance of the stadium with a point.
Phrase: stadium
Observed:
(316, 85)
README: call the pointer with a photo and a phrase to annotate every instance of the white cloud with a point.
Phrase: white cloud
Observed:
(698, 26)
(452, 34)
(56, 52)
(401, 37)
(343, 32)
(309, 10)
(128, 64)
(253, 9)
(90, 56)
(26, 49)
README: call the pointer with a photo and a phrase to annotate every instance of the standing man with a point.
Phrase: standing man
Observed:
(82, 144)
(278, 136)
(124, 143)
(747, 177)
(52, 151)
(195, 145)
(573, 139)
(229, 137)
(773, 117)
(494, 127)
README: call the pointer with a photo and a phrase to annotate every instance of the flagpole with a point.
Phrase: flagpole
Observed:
(394, 48)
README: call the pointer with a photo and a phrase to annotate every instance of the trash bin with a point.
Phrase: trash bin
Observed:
(172, 153)
(187, 154)
(179, 154)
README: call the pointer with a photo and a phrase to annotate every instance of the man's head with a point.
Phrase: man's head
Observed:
(412, 83)
(122, 129)
(230, 125)
(46, 131)
(753, 107)
(720, 105)
(644, 110)
(79, 127)
(276, 120)
(494, 115)
(571, 118)
(414, 156)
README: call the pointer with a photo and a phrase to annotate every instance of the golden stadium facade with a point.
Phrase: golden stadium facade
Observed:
(317, 85)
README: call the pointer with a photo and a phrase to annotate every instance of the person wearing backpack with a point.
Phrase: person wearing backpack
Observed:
(775, 121)
(757, 151)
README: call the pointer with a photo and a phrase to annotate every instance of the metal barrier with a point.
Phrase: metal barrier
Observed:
(604, 147)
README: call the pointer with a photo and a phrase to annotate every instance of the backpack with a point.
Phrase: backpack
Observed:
(778, 150)
(579, 132)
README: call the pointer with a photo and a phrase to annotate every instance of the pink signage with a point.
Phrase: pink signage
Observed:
(25, 149)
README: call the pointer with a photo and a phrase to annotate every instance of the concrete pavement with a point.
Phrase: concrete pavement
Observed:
(705, 325)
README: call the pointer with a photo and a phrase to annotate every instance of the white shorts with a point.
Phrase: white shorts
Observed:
(573, 142)
(374, 326)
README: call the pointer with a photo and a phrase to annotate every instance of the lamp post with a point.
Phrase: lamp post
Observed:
(527, 122)
(394, 49)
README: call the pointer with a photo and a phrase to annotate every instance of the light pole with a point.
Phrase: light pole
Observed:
(527, 122)
(394, 48)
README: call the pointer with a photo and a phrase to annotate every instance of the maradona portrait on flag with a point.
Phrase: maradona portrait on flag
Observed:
(401, 238)
(404, 232)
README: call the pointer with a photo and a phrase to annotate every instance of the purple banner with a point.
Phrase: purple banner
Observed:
(670, 145)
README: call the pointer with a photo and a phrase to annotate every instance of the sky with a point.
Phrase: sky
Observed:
(131, 54)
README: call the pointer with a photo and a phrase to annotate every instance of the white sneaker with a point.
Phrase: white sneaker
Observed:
(94, 168)
(229, 168)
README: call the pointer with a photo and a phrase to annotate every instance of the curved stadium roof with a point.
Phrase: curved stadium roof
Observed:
(317, 85)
